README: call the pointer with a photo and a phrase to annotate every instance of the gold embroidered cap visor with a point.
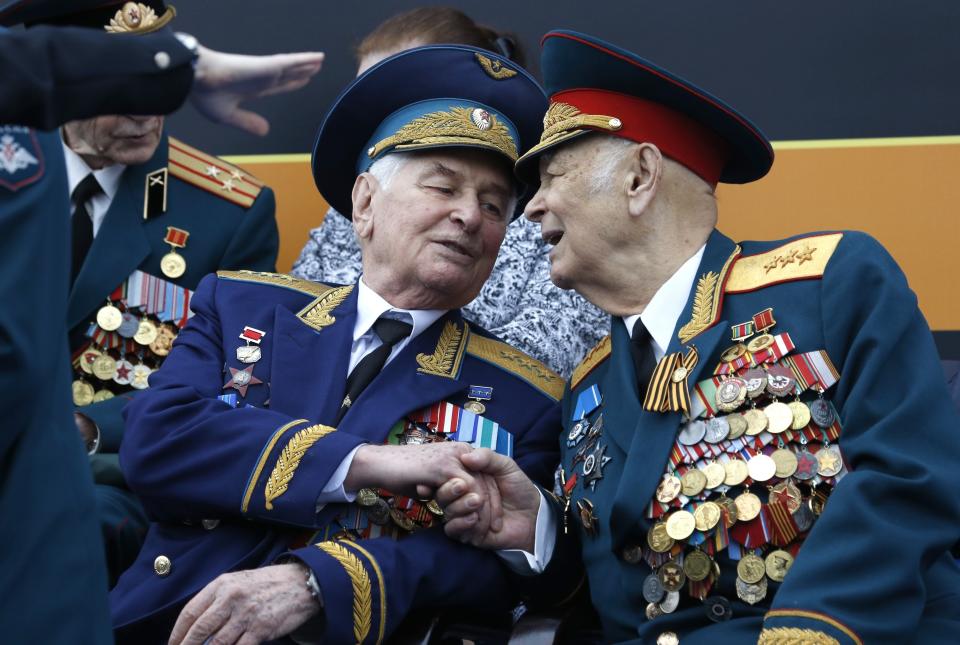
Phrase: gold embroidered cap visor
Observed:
(113, 16)
(597, 87)
(440, 96)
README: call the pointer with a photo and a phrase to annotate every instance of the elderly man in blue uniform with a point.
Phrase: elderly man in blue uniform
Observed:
(151, 216)
(261, 440)
(734, 455)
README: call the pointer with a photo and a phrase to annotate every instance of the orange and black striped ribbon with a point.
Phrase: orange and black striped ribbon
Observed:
(666, 395)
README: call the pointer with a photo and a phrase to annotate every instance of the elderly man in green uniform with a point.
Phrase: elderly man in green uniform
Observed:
(763, 448)
(151, 216)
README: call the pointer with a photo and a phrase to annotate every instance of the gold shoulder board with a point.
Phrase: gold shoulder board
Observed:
(308, 287)
(599, 353)
(803, 259)
(212, 174)
(517, 363)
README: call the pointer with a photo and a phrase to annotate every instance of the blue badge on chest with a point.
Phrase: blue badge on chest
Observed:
(21, 160)
(588, 401)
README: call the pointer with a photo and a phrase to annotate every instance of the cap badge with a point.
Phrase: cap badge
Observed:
(481, 118)
(138, 18)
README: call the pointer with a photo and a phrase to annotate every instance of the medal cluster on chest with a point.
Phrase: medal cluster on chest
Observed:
(133, 333)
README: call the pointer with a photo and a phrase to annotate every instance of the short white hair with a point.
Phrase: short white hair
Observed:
(611, 154)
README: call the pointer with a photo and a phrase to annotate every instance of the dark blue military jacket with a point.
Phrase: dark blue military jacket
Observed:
(230, 227)
(875, 566)
(259, 468)
(51, 569)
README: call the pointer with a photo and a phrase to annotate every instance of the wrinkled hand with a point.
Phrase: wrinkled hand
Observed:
(519, 504)
(222, 81)
(247, 607)
(418, 470)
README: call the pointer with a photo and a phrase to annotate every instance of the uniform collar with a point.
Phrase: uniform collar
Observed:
(662, 313)
(77, 170)
(371, 306)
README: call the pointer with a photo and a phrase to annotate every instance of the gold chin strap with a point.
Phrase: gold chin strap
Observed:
(138, 18)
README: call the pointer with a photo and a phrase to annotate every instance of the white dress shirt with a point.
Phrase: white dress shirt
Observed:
(108, 178)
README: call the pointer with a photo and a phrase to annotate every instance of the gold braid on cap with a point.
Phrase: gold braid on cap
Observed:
(561, 118)
(138, 18)
(456, 125)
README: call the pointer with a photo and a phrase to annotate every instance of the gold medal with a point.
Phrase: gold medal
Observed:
(738, 425)
(668, 489)
(367, 497)
(735, 472)
(787, 493)
(82, 393)
(759, 343)
(680, 526)
(779, 417)
(109, 318)
(475, 406)
(748, 506)
(751, 569)
(104, 367)
(697, 565)
(761, 468)
(671, 576)
(715, 473)
(693, 482)
(829, 461)
(777, 564)
(728, 511)
(102, 395)
(801, 414)
(733, 352)
(756, 421)
(434, 508)
(653, 611)
(164, 341)
(657, 538)
(146, 333)
(87, 358)
(707, 516)
(786, 462)
(400, 519)
(173, 265)
(140, 377)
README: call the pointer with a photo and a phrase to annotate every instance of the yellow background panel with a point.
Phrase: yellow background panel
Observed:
(903, 192)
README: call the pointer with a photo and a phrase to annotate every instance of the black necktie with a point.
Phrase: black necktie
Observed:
(643, 361)
(390, 332)
(82, 221)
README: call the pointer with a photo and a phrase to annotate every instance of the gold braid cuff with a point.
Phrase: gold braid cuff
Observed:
(795, 636)
(362, 602)
(289, 461)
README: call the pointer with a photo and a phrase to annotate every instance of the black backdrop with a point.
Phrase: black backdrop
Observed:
(812, 69)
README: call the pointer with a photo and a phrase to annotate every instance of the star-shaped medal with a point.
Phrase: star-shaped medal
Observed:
(593, 466)
(240, 380)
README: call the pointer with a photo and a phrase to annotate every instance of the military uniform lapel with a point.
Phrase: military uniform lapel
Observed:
(120, 245)
(655, 432)
(308, 370)
(417, 377)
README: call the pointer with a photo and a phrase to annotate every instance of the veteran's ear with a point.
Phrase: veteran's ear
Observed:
(364, 189)
(644, 174)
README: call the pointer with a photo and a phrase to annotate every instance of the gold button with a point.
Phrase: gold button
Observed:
(162, 566)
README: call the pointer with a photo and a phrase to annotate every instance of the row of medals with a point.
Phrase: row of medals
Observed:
(661, 588)
(101, 363)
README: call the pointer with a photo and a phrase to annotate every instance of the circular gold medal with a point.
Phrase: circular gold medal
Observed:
(706, 516)
(756, 421)
(680, 525)
(367, 497)
(751, 569)
(109, 318)
(760, 343)
(733, 352)
(761, 468)
(668, 489)
(801, 415)
(693, 482)
(173, 265)
(715, 473)
(786, 462)
(738, 425)
(779, 417)
(728, 511)
(697, 565)
(87, 358)
(777, 564)
(104, 368)
(140, 377)
(400, 519)
(829, 461)
(672, 577)
(735, 472)
(102, 395)
(731, 394)
(748, 506)
(434, 508)
(146, 332)
(787, 493)
(653, 611)
(657, 538)
(82, 393)
(475, 406)
(164, 341)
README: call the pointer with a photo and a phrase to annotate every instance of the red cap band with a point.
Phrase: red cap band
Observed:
(678, 136)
